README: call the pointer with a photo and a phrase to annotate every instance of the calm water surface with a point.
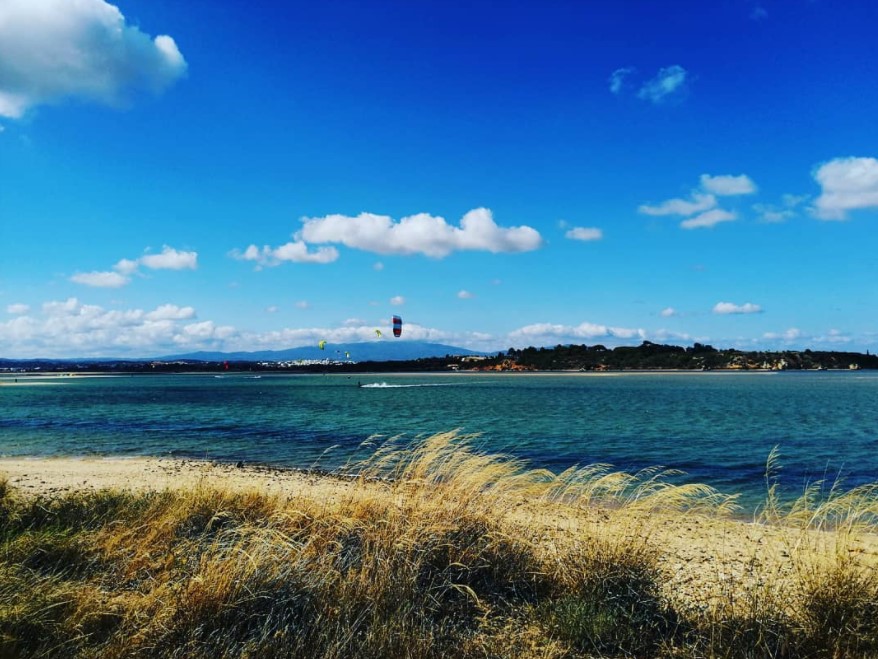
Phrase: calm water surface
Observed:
(717, 427)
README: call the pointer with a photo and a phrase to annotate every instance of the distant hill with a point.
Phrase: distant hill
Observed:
(389, 350)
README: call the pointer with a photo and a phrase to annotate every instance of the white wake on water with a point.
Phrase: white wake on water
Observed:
(385, 385)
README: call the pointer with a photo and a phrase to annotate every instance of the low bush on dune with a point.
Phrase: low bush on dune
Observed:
(433, 550)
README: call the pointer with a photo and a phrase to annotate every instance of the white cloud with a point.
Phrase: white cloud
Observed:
(728, 185)
(668, 312)
(584, 234)
(699, 202)
(294, 252)
(56, 49)
(17, 309)
(539, 333)
(271, 309)
(617, 78)
(669, 83)
(703, 201)
(846, 184)
(70, 328)
(378, 267)
(730, 308)
(419, 234)
(126, 266)
(709, 219)
(169, 259)
(100, 279)
(171, 312)
(397, 300)
(465, 295)
(303, 304)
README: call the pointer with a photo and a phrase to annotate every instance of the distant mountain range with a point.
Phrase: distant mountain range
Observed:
(360, 352)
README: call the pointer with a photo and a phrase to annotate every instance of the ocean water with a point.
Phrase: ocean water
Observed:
(718, 428)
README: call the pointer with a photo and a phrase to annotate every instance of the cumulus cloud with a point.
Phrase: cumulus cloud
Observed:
(419, 234)
(538, 333)
(703, 201)
(708, 219)
(271, 308)
(65, 328)
(465, 295)
(669, 83)
(51, 50)
(100, 279)
(17, 308)
(170, 312)
(667, 312)
(724, 308)
(617, 78)
(168, 259)
(397, 300)
(292, 252)
(728, 185)
(584, 233)
(303, 304)
(697, 203)
(846, 184)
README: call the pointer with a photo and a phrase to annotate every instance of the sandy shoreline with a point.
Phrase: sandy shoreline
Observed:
(698, 553)
(47, 476)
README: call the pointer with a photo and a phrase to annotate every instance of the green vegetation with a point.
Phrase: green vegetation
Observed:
(650, 355)
(434, 551)
(647, 355)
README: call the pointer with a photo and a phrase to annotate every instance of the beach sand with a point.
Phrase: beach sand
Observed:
(701, 555)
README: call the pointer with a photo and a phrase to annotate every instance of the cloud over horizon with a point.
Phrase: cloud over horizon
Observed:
(51, 50)
(552, 332)
(724, 308)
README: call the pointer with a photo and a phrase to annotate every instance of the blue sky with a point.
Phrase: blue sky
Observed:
(222, 175)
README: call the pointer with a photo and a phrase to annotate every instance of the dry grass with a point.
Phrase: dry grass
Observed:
(438, 550)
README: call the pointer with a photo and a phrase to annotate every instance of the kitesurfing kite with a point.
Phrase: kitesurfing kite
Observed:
(397, 326)
(322, 344)
(378, 333)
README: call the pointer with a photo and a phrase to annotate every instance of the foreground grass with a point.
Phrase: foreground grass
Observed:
(435, 550)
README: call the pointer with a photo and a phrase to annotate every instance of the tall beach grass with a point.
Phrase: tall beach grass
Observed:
(434, 549)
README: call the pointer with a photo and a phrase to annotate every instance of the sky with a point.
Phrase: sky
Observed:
(218, 175)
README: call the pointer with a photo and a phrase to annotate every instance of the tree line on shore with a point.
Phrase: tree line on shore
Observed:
(649, 355)
(646, 356)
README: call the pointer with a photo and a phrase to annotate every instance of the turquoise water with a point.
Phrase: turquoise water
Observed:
(717, 427)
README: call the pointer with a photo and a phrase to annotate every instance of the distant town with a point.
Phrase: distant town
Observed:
(646, 356)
